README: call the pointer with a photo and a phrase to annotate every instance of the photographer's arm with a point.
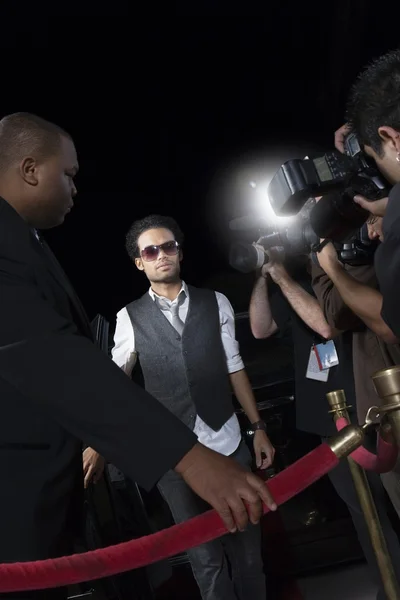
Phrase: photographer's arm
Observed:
(306, 307)
(261, 320)
(364, 301)
(339, 316)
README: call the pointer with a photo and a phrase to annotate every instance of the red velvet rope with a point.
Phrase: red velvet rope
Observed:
(382, 462)
(158, 546)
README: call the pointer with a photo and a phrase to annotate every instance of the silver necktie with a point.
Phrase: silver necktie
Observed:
(176, 322)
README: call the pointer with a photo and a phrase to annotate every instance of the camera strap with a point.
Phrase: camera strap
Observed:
(320, 246)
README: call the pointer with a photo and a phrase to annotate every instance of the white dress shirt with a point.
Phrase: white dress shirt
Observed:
(227, 439)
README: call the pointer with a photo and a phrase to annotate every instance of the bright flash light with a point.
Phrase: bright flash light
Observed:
(263, 207)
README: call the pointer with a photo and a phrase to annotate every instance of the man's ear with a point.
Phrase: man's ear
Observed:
(388, 134)
(29, 171)
(139, 264)
(180, 256)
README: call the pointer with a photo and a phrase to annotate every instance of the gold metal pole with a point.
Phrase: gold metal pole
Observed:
(387, 386)
(337, 402)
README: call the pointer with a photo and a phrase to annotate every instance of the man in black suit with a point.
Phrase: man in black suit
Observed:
(57, 388)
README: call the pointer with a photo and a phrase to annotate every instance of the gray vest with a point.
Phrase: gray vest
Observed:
(187, 374)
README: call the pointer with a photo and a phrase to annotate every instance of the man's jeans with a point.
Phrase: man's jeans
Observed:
(210, 562)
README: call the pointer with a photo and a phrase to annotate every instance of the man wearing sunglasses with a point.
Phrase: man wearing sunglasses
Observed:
(184, 340)
(57, 388)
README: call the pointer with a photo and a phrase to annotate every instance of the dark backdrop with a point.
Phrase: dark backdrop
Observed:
(162, 106)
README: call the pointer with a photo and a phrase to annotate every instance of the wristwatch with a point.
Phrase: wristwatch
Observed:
(259, 425)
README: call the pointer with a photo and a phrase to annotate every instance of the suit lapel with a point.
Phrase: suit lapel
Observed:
(61, 278)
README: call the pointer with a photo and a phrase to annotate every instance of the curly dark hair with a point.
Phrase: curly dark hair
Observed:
(375, 100)
(151, 222)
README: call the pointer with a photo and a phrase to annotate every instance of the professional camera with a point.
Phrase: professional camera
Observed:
(336, 176)
(295, 239)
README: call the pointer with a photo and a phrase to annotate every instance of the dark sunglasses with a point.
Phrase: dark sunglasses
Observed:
(152, 252)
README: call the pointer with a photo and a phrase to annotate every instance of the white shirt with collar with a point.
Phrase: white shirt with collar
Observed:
(227, 439)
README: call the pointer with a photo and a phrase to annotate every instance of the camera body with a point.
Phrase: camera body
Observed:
(296, 240)
(337, 176)
(358, 251)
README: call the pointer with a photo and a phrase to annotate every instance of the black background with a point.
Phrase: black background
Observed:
(164, 106)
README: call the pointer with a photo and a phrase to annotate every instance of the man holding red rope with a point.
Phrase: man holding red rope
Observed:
(53, 379)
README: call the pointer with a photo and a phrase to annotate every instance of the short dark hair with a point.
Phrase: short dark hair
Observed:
(22, 134)
(375, 100)
(150, 222)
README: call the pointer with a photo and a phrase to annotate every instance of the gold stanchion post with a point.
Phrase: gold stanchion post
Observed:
(387, 386)
(337, 402)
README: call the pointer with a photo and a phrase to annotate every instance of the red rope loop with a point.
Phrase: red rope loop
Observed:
(382, 462)
(158, 546)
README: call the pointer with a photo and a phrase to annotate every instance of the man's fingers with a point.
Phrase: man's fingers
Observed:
(254, 506)
(376, 207)
(269, 452)
(259, 459)
(361, 201)
(266, 463)
(340, 136)
(88, 476)
(226, 515)
(271, 455)
(259, 486)
(239, 512)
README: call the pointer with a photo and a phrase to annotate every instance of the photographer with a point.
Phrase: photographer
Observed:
(363, 298)
(373, 113)
(370, 352)
(287, 299)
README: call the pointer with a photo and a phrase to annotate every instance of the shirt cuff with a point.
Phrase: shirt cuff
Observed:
(235, 365)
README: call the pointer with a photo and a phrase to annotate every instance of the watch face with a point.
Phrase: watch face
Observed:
(260, 425)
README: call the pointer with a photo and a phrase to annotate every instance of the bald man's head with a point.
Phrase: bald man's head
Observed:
(37, 165)
(23, 134)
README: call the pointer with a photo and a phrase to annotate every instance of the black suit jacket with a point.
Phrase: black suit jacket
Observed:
(58, 389)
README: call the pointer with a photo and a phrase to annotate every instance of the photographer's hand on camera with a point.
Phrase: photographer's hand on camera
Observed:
(274, 267)
(305, 305)
(328, 258)
(376, 208)
(364, 301)
(340, 136)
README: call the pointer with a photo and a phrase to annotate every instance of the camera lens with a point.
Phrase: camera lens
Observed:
(246, 257)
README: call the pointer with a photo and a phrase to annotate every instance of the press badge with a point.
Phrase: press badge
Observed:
(326, 355)
(313, 370)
